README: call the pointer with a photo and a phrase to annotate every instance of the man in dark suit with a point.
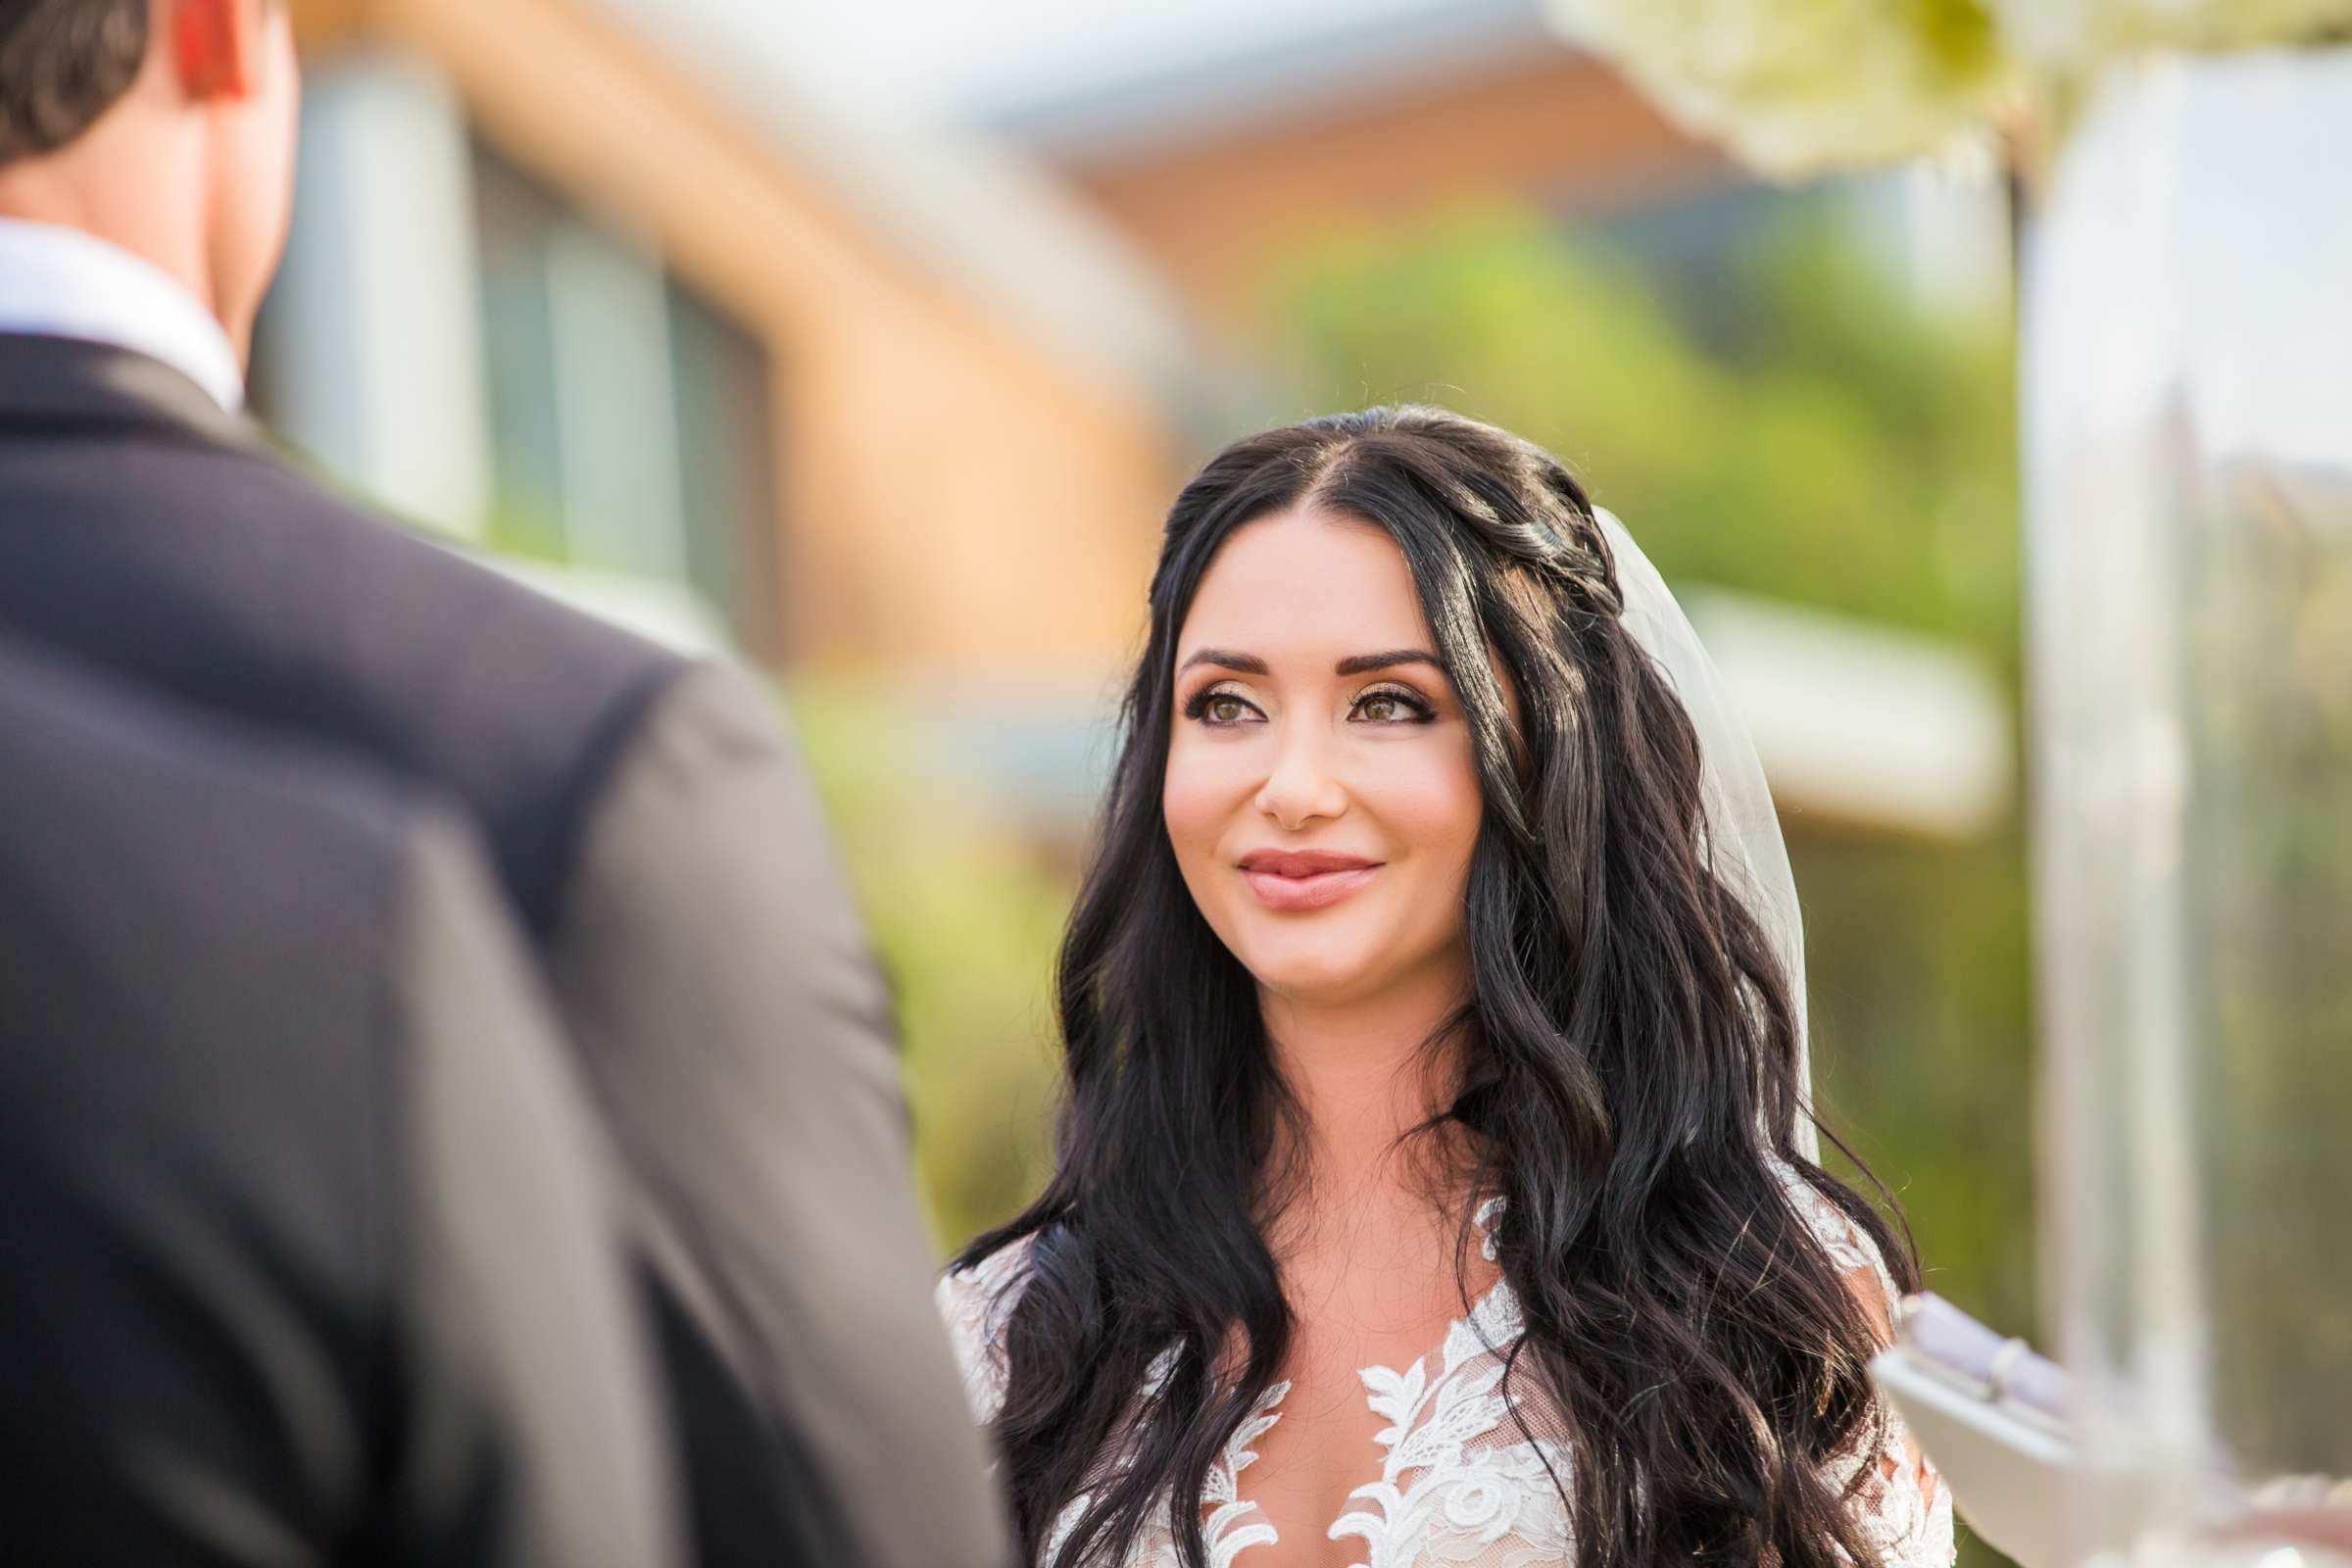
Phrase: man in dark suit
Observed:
(308, 1254)
(653, 834)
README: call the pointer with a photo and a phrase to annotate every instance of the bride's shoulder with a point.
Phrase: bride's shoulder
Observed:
(1850, 1247)
(1889, 1486)
(974, 1302)
(986, 1289)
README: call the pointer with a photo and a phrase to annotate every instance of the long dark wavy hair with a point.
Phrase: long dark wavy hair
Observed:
(1630, 1069)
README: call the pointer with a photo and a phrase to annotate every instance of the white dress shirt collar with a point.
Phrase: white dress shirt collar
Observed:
(61, 283)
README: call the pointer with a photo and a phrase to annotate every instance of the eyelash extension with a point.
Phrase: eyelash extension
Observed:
(1196, 706)
(1422, 712)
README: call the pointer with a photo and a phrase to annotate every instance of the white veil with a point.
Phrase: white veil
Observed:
(1744, 831)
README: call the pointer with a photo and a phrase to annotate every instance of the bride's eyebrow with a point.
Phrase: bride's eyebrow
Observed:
(1366, 663)
(1224, 659)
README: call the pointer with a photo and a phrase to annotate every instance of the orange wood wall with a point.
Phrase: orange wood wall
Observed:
(1557, 127)
(955, 493)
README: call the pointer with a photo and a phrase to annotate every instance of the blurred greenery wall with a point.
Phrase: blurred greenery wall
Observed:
(967, 913)
(1782, 421)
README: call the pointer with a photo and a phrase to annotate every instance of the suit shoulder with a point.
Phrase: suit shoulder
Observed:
(216, 576)
(175, 833)
(412, 567)
(218, 893)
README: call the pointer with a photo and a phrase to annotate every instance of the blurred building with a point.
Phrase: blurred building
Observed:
(662, 295)
(635, 285)
(1379, 114)
(1383, 110)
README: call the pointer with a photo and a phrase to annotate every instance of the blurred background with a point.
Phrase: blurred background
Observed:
(872, 342)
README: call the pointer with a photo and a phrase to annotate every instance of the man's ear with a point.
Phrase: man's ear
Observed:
(217, 45)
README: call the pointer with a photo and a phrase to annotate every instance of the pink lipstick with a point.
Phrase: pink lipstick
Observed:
(1300, 881)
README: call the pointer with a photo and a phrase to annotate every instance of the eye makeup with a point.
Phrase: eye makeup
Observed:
(1219, 706)
(1417, 709)
(1200, 706)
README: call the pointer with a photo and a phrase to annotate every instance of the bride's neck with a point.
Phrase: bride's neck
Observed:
(1365, 1075)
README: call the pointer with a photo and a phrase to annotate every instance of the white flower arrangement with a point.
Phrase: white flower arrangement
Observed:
(2077, 34)
(1795, 87)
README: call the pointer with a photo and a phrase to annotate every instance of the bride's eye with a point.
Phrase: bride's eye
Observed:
(1220, 710)
(1388, 705)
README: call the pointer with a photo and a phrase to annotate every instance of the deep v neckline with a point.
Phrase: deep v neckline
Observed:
(1233, 1524)
(1469, 1472)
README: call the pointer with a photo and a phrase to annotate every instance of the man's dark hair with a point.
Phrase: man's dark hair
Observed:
(63, 64)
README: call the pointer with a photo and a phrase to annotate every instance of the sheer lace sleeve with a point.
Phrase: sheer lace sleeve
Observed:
(1891, 1488)
(973, 1303)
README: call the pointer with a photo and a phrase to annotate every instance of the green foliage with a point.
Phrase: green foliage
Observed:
(1917, 959)
(520, 527)
(966, 917)
(1958, 32)
(1838, 450)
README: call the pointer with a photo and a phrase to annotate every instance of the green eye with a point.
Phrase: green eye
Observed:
(1391, 707)
(1219, 709)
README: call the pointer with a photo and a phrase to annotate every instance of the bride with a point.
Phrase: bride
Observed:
(1434, 1184)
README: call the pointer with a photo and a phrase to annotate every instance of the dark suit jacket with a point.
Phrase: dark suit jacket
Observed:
(305, 1253)
(662, 850)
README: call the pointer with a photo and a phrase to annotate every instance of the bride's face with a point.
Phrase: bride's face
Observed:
(1321, 791)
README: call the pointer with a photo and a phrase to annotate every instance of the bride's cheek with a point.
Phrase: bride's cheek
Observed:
(1191, 803)
(1431, 803)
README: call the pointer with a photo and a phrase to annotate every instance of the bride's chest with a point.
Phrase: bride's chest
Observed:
(1325, 1440)
(1393, 1443)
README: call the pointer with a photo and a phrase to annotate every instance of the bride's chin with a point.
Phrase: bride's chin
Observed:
(1313, 979)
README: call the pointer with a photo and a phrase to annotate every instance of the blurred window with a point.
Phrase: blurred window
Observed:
(515, 218)
(727, 439)
(633, 422)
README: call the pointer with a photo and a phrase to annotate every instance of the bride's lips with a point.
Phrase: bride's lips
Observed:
(1297, 881)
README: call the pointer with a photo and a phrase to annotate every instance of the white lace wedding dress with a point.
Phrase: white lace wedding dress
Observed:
(1459, 1484)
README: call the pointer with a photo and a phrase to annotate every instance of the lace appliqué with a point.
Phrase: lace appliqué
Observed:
(974, 1304)
(1231, 1526)
(1230, 1523)
(1454, 1487)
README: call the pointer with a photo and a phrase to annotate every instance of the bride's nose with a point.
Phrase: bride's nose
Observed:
(1301, 788)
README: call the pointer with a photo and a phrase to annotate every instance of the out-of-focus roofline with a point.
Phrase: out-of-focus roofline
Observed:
(1270, 85)
(964, 203)
(980, 211)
